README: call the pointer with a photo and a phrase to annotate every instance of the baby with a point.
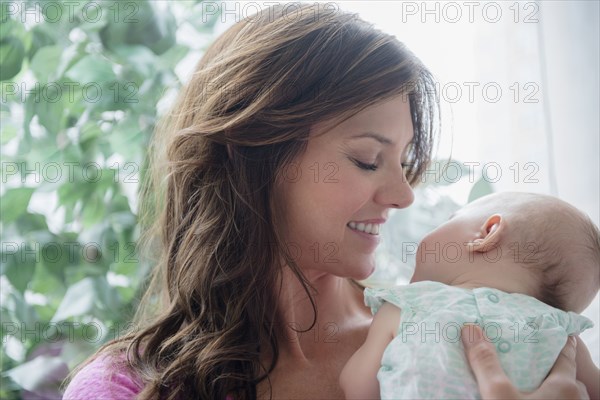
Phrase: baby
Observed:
(520, 265)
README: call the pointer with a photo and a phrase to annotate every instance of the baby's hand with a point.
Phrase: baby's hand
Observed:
(494, 384)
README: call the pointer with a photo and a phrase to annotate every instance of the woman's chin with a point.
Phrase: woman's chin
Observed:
(363, 273)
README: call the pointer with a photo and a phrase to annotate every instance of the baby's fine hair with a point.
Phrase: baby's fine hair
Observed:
(561, 246)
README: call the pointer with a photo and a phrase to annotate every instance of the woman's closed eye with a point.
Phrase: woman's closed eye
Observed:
(365, 166)
(373, 166)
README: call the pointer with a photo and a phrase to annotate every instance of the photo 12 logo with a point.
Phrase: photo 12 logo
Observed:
(53, 332)
(71, 11)
(69, 91)
(235, 11)
(58, 252)
(491, 172)
(453, 12)
(68, 171)
(450, 332)
(456, 252)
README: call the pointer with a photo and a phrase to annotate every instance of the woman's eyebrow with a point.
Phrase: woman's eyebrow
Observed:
(380, 138)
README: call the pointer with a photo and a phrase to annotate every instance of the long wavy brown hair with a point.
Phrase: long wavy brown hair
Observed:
(209, 311)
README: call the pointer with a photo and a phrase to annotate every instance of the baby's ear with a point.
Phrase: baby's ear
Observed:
(490, 234)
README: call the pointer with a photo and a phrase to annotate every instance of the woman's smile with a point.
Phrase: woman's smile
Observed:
(371, 238)
(367, 232)
(366, 227)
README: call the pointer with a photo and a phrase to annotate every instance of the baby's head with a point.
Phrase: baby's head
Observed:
(519, 243)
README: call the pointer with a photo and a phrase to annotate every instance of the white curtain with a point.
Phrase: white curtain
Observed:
(520, 83)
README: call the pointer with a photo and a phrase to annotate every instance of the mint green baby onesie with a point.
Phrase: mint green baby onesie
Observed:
(426, 359)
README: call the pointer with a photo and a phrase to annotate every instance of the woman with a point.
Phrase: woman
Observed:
(298, 132)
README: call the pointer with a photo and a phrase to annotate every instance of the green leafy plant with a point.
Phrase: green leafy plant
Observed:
(80, 84)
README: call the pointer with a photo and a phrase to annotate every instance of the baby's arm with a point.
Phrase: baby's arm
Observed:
(358, 379)
(587, 372)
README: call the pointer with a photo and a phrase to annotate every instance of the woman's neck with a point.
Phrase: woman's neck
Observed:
(339, 305)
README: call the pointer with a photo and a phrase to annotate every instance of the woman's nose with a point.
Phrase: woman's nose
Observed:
(395, 192)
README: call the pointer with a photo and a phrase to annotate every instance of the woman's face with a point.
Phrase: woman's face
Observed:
(339, 191)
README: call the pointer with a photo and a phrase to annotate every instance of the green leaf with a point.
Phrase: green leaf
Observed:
(69, 57)
(89, 296)
(8, 132)
(17, 308)
(25, 144)
(151, 28)
(19, 264)
(12, 53)
(32, 222)
(45, 63)
(33, 375)
(172, 56)
(96, 21)
(14, 203)
(126, 132)
(49, 279)
(89, 132)
(93, 210)
(79, 300)
(92, 69)
(71, 192)
(50, 108)
(139, 59)
(108, 298)
(39, 38)
(157, 30)
(56, 257)
(4, 13)
(481, 188)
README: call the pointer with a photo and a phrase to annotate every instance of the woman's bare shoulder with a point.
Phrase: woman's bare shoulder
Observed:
(106, 377)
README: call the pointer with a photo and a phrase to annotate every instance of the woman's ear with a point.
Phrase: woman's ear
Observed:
(491, 231)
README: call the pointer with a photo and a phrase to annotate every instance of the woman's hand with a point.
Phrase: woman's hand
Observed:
(494, 384)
